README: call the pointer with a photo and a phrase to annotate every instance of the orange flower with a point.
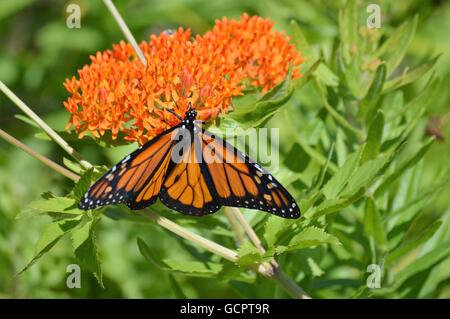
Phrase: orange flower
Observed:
(251, 44)
(117, 93)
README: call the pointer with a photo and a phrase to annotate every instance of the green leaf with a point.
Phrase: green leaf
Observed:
(400, 169)
(374, 93)
(334, 186)
(64, 205)
(324, 74)
(84, 243)
(273, 227)
(410, 76)
(424, 262)
(348, 24)
(365, 174)
(301, 44)
(83, 184)
(189, 268)
(407, 247)
(148, 254)
(308, 237)
(73, 166)
(50, 237)
(266, 107)
(8, 8)
(320, 178)
(248, 255)
(415, 109)
(26, 119)
(373, 224)
(374, 137)
(395, 48)
(315, 269)
(332, 205)
(194, 268)
(176, 288)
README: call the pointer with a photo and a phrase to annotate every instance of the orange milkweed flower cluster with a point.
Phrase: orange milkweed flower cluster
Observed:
(117, 93)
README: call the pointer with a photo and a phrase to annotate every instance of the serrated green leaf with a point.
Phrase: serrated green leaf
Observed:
(410, 76)
(394, 49)
(83, 184)
(273, 227)
(84, 243)
(308, 237)
(374, 138)
(334, 186)
(64, 205)
(248, 255)
(50, 237)
(407, 247)
(373, 224)
(194, 268)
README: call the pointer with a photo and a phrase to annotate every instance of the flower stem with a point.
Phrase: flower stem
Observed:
(247, 228)
(207, 244)
(47, 129)
(58, 168)
(125, 30)
(289, 285)
(235, 226)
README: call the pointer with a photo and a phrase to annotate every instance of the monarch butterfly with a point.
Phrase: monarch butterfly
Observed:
(191, 171)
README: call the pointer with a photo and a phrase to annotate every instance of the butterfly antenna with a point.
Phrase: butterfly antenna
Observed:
(176, 115)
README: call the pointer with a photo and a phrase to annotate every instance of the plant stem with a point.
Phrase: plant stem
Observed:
(289, 285)
(235, 225)
(125, 30)
(47, 129)
(247, 227)
(58, 168)
(207, 244)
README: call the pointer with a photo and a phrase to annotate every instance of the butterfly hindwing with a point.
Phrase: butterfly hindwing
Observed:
(186, 189)
(239, 181)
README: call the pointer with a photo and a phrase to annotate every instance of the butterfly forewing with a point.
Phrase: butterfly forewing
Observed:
(136, 179)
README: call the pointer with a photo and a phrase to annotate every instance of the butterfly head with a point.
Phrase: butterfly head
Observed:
(190, 116)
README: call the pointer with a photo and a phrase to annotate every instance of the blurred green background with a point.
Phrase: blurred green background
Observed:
(37, 53)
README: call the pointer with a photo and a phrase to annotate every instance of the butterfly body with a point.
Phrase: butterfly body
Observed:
(191, 171)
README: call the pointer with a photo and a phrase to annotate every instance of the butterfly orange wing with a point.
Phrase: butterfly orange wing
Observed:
(137, 179)
(239, 181)
(186, 189)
